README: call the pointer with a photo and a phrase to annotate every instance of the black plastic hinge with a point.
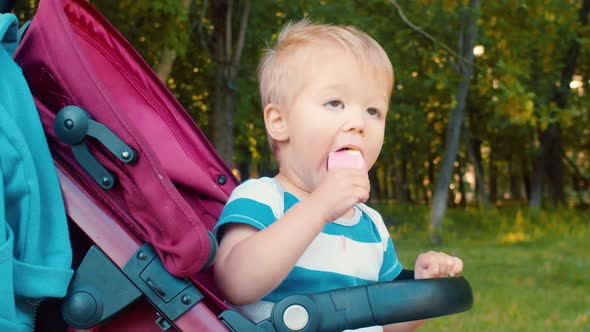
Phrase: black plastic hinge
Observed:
(73, 125)
(170, 295)
(98, 291)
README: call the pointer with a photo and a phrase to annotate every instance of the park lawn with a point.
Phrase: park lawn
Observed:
(537, 282)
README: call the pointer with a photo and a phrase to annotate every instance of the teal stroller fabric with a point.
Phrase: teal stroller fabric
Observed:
(35, 250)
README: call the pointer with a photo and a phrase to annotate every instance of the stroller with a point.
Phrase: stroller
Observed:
(143, 187)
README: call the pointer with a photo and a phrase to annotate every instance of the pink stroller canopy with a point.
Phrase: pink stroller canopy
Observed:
(172, 192)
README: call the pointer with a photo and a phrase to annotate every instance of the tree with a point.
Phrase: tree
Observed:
(549, 161)
(168, 56)
(226, 52)
(473, 148)
(464, 67)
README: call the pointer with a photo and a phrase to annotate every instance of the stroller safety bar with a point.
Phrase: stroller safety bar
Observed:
(357, 307)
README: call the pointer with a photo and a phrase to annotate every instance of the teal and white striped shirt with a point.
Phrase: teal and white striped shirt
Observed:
(347, 253)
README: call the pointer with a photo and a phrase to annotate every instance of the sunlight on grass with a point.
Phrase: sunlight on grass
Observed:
(529, 270)
(513, 237)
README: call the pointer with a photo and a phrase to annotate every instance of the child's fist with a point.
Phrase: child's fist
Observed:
(339, 190)
(434, 264)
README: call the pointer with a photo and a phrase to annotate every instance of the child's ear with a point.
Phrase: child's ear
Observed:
(275, 122)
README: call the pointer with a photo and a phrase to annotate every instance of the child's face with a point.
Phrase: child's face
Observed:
(337, 103)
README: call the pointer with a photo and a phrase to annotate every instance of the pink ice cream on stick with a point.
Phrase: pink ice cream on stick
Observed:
(346, 158)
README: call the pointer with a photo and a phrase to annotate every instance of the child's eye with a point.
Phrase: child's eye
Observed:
(334, 104)
(372, 111)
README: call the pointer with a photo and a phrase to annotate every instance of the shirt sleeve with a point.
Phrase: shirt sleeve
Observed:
(391, 266)
(257, 203)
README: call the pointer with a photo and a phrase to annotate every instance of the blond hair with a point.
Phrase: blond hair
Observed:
(272, 71)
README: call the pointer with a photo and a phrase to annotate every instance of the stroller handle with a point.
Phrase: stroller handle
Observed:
(362, 306)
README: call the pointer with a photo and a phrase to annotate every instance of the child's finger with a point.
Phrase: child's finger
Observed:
(449, 264)
(457, 267)
(429, 264)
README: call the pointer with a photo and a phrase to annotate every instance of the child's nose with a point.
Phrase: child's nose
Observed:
(355, 122)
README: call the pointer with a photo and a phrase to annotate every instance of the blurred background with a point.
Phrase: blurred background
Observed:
(487, 152)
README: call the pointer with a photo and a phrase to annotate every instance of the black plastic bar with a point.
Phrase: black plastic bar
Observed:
(378, 304)
(362, 306)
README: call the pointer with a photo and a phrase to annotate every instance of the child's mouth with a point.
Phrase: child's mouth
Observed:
(349, 150)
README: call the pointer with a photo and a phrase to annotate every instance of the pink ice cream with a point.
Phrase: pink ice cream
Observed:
(348, 158)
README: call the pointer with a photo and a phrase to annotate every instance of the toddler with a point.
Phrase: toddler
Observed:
(325, 92)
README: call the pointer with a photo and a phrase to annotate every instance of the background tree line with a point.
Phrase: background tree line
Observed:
(489, 104)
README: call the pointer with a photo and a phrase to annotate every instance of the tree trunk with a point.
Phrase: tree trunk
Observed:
(390, 180)
(536, 192)
(420, 192)
(515, 189)
(374, 180)
(382, 179)
(424, 192)
(474, 151)
(552, 151)
(222, 116)
(223, 124)
(526, 179)
(165, 64)
(403, 193)
(465, 66)
(492, 178)
(227, 57)
(460, 172)
(168, 55)
(431, 170)
(551, 137)
(244, 166)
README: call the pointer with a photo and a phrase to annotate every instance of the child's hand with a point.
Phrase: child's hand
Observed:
(434, 264)
(339, 191)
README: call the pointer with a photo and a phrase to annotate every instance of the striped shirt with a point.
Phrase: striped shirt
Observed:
(348, 252)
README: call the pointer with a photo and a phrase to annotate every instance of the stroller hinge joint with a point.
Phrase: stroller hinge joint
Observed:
(170, 295)
(73, 125)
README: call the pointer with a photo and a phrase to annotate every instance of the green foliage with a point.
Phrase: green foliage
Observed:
(511, 98)
(150, 26)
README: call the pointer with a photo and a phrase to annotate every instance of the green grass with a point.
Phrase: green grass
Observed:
(530, 271)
